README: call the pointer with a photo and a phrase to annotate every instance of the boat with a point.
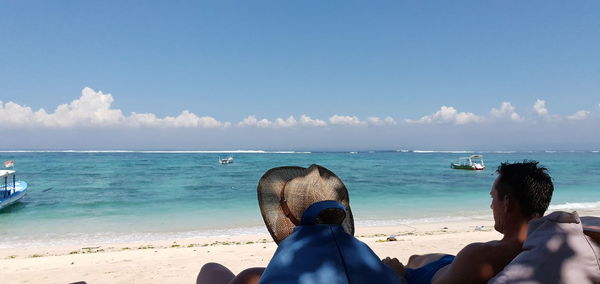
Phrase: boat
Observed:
(473, 163)
(225, 161)
(11, 189)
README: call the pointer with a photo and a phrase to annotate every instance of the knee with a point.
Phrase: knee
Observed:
(415, 261)
(414, 258)
(249, 276)
(211, 266)
(214, 273)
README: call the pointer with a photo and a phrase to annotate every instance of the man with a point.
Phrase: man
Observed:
(520, 193)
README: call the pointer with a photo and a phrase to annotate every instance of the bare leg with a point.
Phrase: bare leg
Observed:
(416, 261)
(214, 273)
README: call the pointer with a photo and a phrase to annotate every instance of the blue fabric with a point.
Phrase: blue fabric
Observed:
(309, 217)
(424, 274)
(325, 253)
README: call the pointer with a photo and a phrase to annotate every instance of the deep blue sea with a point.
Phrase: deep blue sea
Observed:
(95, 197)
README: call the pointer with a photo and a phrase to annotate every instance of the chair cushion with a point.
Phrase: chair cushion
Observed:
(556, 251)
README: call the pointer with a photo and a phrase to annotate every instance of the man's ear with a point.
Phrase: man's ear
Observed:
(508, 204)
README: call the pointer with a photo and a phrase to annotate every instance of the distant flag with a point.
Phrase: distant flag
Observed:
(9, 164)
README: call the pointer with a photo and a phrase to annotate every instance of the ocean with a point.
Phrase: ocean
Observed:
(121, 196)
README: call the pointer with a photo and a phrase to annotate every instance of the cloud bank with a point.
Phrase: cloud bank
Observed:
(94, 109)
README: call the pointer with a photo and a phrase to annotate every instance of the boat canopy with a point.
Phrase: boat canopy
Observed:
(5, 173)
(471, 157)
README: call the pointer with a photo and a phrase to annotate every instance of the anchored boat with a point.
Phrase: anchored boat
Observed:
(473, 163)
(225, 161)
(11, 189)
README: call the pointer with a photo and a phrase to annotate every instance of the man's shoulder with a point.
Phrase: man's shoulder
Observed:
(471, 265)
(494, 255)
(478, 250)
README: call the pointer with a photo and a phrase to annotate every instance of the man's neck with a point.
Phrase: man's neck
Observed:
(517, 232)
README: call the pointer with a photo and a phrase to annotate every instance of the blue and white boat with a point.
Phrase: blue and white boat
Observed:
(11, 189)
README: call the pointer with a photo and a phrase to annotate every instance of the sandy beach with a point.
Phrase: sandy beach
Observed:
(178, 261)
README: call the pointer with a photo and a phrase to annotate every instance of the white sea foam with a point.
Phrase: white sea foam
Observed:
(226, 152)
(450, 152)
(161, 152)
(410, 221)
(575, 205)
(113, 238)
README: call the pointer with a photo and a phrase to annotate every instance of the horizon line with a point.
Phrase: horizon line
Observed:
(262, 151)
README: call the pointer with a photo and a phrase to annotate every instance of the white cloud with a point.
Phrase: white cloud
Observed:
(285, 123)
(142, 120)
(378, 121)
(91, 109)
(346, 120)
(307, 121)
(189, 120)
(14, 114)
(539, 107)
(506, 111)
(252, 121)
(94, 109)
(579, 115)
(448, 115)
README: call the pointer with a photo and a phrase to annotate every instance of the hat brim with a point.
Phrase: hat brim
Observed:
(269, 192)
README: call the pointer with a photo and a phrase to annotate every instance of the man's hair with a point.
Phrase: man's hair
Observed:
(528, 183)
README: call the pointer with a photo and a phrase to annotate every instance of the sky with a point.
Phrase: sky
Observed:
(300, 75)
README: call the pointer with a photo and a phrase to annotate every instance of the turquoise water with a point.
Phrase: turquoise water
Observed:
(125, 196)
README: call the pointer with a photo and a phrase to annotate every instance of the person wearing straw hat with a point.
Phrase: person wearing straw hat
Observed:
(307, 212)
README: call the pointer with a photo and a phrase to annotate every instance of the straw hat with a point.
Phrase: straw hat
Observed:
(285, 192)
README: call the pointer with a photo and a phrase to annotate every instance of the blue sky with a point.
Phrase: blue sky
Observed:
(352, 74)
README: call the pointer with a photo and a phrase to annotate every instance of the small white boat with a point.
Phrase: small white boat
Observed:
(11, 189)
(225, 161)
(473, 163)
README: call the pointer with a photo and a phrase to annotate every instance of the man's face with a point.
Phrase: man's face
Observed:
(497, 207)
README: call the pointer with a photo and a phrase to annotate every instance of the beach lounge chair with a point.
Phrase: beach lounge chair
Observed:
(591, 227)
(556, 251)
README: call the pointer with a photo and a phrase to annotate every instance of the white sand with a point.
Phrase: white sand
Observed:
(179, 261)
